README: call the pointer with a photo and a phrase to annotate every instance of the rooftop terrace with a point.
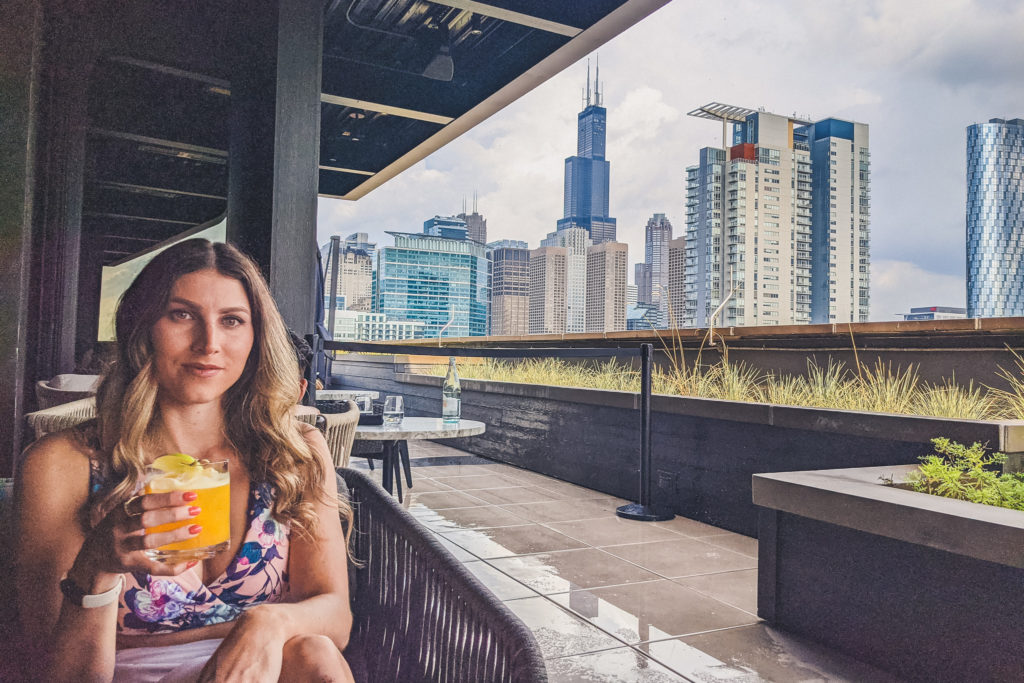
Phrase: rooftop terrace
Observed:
(610, 599)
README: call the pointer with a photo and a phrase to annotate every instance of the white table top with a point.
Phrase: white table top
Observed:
(420, 428)
(343, 394)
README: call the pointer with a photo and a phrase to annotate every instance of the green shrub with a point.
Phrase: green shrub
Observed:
(967, 473)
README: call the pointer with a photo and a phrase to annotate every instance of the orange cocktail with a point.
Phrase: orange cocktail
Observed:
(212, 484)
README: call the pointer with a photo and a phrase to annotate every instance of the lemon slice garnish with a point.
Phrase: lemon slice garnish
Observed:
(174, 463)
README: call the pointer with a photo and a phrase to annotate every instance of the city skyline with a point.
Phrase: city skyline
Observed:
(917, 73)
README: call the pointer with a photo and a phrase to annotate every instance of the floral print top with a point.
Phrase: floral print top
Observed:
(257, 574)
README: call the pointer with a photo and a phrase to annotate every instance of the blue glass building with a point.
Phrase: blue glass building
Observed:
(995, 219)
(449, 227)
(440, 282)
(587, 175)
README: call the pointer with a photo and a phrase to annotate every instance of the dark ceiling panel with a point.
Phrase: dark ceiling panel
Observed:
(132, 162)
(369, 143)
(151, 204)
(128, 98)
(336, 184)
(579, 13)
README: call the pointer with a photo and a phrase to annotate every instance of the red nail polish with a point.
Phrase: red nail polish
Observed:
(189, 495)
(191, 564)
(194, 510)
(195, 529)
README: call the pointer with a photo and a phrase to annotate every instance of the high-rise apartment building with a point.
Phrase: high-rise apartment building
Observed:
(995, 218)
(575, 241)
(439, 281)
(352, 259)
(777, 223)
(607, 265)
(510, 287)
(548, 270)
(587, 174)
(677, 283)
(653, 289)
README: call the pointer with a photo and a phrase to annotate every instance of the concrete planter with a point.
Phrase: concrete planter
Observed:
(704, 451)
(926, 587)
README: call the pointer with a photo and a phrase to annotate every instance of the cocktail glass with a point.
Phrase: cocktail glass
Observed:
(212, 484)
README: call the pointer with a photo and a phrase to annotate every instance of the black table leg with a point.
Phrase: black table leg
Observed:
(387, 469)
(398, 472)
(403, 452)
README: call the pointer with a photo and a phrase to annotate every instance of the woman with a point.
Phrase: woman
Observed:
(205, 368)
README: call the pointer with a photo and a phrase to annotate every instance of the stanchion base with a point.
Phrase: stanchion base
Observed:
(644, 513)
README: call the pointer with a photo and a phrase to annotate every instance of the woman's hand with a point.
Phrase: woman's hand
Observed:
(252, 651)
(116, 545)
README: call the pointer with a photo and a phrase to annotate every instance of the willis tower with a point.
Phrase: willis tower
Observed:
(587, 173)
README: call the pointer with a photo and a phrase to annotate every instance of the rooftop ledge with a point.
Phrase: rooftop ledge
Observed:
(907, 334)
(857, 499)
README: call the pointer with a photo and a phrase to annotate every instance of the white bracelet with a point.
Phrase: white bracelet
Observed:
(74, 593)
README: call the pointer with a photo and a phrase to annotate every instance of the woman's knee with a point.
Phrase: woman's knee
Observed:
(312, 658)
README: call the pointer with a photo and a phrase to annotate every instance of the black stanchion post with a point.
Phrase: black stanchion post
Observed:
(644, 510)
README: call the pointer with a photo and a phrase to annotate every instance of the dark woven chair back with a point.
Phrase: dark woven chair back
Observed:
(419, 614)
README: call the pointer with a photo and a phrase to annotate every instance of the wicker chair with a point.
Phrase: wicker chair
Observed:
(62, 416)
(340, 432)
(420, 615)
(64, 389)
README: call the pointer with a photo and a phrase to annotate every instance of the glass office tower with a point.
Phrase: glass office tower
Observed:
(588, 174)
(995, 219)
(440, 282)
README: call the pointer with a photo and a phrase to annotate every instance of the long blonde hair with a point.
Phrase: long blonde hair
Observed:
(258, 419)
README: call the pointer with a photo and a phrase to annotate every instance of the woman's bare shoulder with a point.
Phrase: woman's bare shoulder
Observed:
(58, 461)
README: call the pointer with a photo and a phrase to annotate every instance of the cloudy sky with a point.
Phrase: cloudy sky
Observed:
(916, 71)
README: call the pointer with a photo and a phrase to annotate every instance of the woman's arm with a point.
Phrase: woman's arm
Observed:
(318, 587)
(51, 497)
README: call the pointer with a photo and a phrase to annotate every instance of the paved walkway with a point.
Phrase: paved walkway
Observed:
(610, 599)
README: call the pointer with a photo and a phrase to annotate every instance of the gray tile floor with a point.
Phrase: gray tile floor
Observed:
(610, 599)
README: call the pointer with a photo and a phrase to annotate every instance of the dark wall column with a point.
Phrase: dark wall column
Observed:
(20, 32)
(90, 280)
(275, 146)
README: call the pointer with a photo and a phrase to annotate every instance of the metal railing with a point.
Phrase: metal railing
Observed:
(644, 509)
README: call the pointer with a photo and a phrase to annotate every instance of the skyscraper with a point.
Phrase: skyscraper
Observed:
(575, 240)
(995, 218)
(606, 287)
(354, 285)
(438, 281)
(548, 270)
(677, 283)
(476, 224)
(652, 283)
(588, 173)
(510, 287)
(777, 224)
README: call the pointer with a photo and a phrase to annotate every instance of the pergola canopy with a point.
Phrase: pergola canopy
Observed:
(400, 78)
(128, 124)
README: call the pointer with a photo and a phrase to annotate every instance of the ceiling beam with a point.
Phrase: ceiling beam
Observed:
(130, 187)
(338, 169)
(159, 142)
(126, 217)
(385, 109)
(508, 15)
(221, 83)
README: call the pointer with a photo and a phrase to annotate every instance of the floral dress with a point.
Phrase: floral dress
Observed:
(256, 575)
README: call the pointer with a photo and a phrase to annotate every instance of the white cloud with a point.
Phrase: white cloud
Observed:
(898, 286)
(917, 71)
